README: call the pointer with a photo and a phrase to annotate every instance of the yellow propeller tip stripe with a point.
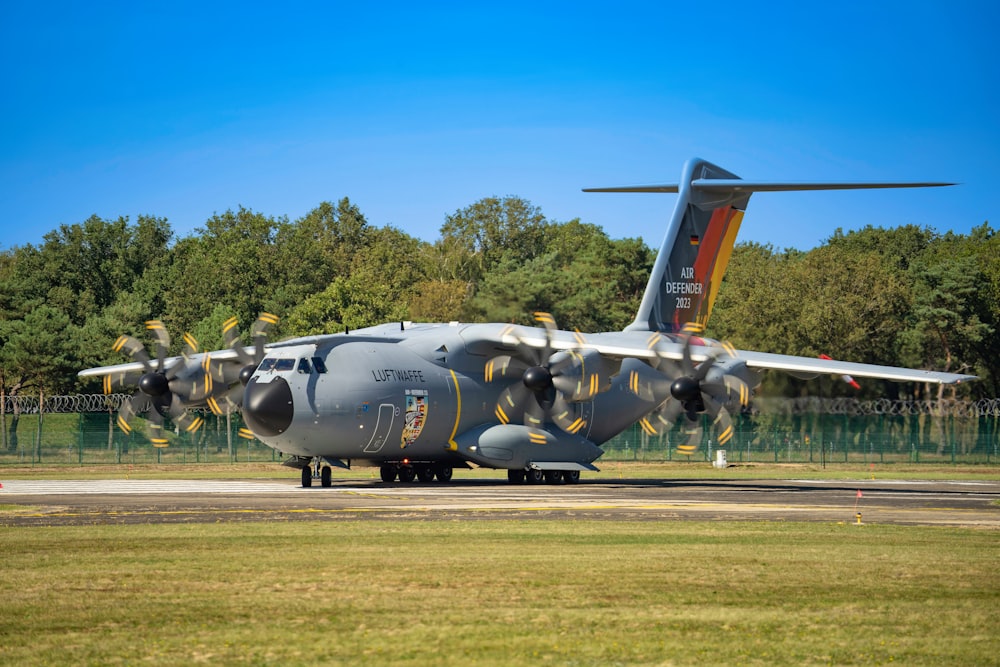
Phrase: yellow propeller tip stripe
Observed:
(501, 415)
(123, 425)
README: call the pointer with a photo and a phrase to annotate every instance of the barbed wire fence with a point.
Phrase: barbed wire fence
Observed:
(988, 407)
(81, 428)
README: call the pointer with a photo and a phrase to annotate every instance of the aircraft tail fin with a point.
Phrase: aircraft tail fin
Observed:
(699, 241)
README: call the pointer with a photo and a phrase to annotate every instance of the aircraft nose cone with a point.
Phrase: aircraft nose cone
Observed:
(267, 407)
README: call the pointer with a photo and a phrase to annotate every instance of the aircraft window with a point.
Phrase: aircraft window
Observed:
(284, 365)
(304, 366)
(319, 364)
(267, 365)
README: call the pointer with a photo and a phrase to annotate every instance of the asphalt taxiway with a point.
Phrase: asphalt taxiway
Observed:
(910, 502)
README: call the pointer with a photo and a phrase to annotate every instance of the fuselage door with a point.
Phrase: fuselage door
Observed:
(383, 425)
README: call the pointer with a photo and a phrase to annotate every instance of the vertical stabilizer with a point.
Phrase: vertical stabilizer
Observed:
(695, 252)
(699, 241)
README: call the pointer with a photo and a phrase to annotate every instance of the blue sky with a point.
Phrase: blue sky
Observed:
(182, 110)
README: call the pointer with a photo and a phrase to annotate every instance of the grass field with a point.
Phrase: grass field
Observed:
(491, 592)
(500, 592)
(610, 470)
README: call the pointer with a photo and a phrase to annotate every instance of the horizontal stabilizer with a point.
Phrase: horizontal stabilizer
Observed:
(740, 185)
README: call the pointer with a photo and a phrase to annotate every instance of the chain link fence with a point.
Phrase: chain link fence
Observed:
(836, 430)
(81, 430)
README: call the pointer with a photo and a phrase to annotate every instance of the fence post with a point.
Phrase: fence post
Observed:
(3, 416)
(38, 436)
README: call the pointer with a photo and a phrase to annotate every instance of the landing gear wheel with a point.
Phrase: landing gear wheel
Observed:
(425, 473)
(515, 476)
(553, 477)
(388, 473)
(534, 476)
(571, 476)
(326, 477)
(443, 473)
(406, 474)
(307, 477)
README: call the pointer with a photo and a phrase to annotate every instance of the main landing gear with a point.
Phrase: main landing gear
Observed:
(425, 472)
(533, 476)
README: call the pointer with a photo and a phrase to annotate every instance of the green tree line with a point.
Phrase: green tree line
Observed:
(908, 296)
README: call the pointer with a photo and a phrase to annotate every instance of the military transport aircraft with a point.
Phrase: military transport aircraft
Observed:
(419, 400)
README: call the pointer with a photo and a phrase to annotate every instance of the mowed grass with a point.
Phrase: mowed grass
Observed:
(610, 471)
(499, 592)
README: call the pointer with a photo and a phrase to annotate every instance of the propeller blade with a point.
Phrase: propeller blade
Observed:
(231, 336)
(184, 420)
(503, 366)
(120, 381)
(567, 416)
(226, 403)
(258, 332)
(687, 365)
(510, 399)
(159, 332)
(662, 419)
(693, 430)
(738, 388)
(723, 426)
(134, 349)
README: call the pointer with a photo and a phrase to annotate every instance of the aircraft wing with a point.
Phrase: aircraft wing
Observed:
(136, 366)
(810, 366)
(639, 345)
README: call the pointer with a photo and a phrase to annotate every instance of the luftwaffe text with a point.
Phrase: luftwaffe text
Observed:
(397, 375)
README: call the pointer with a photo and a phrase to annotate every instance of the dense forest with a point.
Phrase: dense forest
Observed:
(908, 296)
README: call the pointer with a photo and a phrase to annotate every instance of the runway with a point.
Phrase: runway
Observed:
(123, 501)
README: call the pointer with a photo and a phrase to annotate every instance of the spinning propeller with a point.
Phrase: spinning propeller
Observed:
(692, 389)
(550, 381)
(231, 376)
(170, 390)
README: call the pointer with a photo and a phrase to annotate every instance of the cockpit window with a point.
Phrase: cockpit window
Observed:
(304, 366)
(284, 365)
(319, 364)
(267, 365)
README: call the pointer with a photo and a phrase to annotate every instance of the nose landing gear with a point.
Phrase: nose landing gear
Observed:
(317, 470)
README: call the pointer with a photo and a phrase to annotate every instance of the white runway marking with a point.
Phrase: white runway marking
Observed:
(898, 482)
(137, 487)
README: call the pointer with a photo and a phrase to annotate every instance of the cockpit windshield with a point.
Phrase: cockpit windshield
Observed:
(271, 364)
